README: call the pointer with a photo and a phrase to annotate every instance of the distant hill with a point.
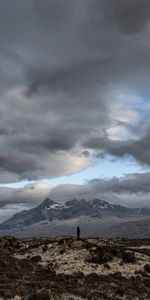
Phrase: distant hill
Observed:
(133, 229)
(50, 210)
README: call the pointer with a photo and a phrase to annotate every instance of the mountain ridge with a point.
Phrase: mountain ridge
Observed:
(51, 210)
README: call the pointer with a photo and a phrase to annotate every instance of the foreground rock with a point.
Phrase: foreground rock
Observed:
(64, 268)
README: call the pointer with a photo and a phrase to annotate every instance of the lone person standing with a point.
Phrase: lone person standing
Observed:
(78, 232)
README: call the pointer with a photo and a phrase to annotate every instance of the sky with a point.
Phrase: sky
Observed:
(74, 102)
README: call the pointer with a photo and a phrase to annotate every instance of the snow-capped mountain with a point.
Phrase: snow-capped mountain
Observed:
(50, 210)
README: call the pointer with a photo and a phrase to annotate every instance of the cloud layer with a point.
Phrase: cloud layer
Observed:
(131, 190)
(74, 79)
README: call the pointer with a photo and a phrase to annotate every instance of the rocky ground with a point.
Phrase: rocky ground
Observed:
(65, 268)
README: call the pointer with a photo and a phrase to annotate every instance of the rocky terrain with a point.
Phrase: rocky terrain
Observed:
(66, 268)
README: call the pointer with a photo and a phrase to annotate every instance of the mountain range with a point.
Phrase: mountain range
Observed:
(50, 210)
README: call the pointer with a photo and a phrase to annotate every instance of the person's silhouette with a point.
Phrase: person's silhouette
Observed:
(78, 232)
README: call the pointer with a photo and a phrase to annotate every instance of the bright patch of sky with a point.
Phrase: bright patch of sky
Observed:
(128, 112)
(107, 168)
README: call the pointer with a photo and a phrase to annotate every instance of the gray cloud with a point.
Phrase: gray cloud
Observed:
(139, 149)
(131, 190)
(53, 13)
(132, 184)
(126, 16)
(64, 66)
(68, 78)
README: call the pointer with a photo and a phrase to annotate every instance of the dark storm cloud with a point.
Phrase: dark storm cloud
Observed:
(16, 162)
(69, 78)
(127, 16)
(137, 149)
(61, 61)
(37, 144)
(3, 131)
(54, 12)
